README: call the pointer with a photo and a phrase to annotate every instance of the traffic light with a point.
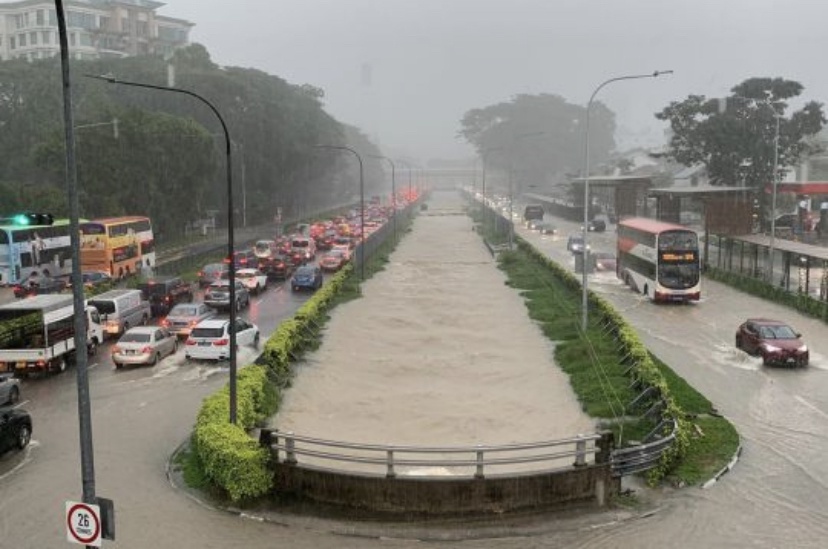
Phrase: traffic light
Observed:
(26, 219)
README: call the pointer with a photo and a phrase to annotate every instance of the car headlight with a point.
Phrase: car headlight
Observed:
(772, 348)
(803, 349)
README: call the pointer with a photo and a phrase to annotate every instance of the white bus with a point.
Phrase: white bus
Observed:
(40, 249)
(660, 260)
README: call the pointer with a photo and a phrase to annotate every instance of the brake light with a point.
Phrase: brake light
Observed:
(116, 349)
(221, 342)
(165, 323)
(146, 350)
(190, 341)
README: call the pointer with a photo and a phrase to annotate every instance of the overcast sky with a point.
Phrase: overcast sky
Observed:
(429, 61)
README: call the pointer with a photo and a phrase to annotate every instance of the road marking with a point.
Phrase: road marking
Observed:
(811, 406)
(23, 462)
(93, 365)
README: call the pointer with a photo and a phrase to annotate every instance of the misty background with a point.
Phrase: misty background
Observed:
(406, 71)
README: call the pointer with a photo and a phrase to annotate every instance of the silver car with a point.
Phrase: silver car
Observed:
(183, 317)
(144, 345)
(9, 389)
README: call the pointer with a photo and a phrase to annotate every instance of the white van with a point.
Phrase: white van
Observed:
(304, 245)
(121, 309)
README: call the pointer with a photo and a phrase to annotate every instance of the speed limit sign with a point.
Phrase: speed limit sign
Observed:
(83, 523)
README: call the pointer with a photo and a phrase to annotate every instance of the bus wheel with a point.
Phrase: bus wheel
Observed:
(92, 348)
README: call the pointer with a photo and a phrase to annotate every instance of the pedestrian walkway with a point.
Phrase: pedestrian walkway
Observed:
(439, 351)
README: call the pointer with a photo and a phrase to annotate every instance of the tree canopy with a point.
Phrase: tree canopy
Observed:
(734, 137)
(542, 134)
(168, 159)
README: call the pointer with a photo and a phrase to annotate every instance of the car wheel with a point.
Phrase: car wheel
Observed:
(155, 359)
(175, 347)
(92, 348)
(117, 365)
(738, 342)
(256, 341)
(14, 395)
(258, 290)
(24, 436)
(802, 362)
(61, 365)
(765, 360)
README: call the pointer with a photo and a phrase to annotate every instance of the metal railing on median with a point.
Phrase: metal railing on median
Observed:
(642, 457)
(451, 462)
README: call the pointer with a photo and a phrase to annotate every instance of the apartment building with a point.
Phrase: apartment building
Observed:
(96, 29)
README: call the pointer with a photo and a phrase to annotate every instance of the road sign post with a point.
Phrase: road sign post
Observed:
(83, 523)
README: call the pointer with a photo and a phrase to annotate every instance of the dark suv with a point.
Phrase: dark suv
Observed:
(164, 292)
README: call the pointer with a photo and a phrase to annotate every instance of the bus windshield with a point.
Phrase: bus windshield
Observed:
(678, 276)
(678, 240)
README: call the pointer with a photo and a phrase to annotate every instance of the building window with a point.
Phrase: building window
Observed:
(85, 39)
(52, 18)
(33, 38)
(11, 42)
(71, 38)
(41, 18)
(46, 37)
(21, 39)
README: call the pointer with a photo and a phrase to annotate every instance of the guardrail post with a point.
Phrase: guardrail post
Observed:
(478, 473)
(290, 446)
(267, 439)
(389, 463)
(580, 452)
(605, 445)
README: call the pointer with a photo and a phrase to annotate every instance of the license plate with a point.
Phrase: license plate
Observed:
(203, 343)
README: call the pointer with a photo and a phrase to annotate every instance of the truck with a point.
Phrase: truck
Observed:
(37, 334)
(533, 211)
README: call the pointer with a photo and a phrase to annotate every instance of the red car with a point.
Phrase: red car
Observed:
(774, 341)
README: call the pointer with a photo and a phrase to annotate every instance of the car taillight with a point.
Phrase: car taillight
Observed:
(116, 349)
(146, 350)
(193, 323)
(221, 342)
(200, 274)
(190, 341)
(165, 323)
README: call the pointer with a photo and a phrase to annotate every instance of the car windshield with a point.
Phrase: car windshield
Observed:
(131, 337)
(207, 332)
(184, 310)
(104, 306)
(778, 331)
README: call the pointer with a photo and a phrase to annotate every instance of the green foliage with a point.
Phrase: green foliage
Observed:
(736, 143)
(169, 150)
(535, 132)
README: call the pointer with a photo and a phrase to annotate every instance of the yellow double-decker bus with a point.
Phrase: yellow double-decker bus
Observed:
(119, 246)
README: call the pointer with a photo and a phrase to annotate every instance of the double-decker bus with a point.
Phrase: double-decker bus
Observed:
(660, 260)
(40, 249)
(119, 246)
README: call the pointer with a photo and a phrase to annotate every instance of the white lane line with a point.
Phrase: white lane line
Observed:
(811, 406)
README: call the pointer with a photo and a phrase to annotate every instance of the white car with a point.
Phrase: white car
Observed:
(9, 389)
(210, 339)
(345, 249)
(253, 279)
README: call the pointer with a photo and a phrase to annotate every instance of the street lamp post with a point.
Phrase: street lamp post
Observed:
(585, 229)
(393, 187)
(361, 204)
(230, 220)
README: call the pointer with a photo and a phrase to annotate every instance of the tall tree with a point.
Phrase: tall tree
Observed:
(539, 136)
(735, 136)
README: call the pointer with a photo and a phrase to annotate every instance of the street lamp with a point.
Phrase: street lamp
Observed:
(230, 219)
(393, 187)
(585, 232)
(361, 204)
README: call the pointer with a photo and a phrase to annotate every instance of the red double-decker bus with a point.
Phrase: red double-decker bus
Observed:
(660, 260)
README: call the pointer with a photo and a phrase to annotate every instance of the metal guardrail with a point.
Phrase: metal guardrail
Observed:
(641, 457)
(473, 462)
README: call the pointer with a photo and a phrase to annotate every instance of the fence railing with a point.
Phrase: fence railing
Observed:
(451, 462)
(641, 457)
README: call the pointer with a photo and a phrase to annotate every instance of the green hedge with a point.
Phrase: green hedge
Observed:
(643, 369)
(230, 458)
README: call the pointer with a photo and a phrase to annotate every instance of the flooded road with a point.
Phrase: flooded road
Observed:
(776, 496)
